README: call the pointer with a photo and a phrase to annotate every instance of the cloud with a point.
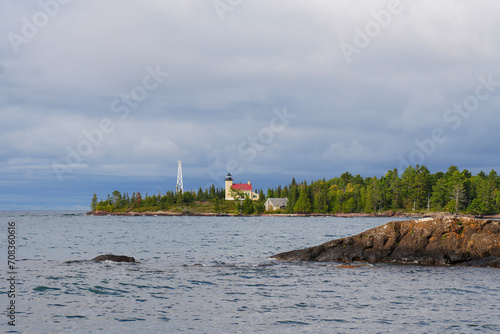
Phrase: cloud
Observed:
(225, 79)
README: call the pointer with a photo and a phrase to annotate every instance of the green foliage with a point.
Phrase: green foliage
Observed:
(485, 189)
(457, 191)
(93, 204)
(416, 189)
(216, 205)
(321, 200)
(247, 206)
(440, 194)
(259, 207)
(303, 204)
(237, 194)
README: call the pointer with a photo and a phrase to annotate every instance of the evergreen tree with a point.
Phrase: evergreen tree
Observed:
(164, 202)
(259, 207)
(494, 179)
(335, 196)
(117, 198)
(303, 204)
(292, 198)
(93, 205)
(440, 194)
(187, 197)
(178, 196)
(345, 179)
(393, 188)
(321, 200)
(457, 192)
(450, 171)
(417, 189)
(416, 186)
(484, 203)
(212, 192)
(262, 197)
(216, 205)
(284, 192)
(278, 191)
(374, 200)
(247, 206)
(199, 195)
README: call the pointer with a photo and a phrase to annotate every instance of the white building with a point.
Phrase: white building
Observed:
(245, 188)
(273, 204)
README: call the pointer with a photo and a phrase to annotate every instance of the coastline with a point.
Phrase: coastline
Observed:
(444, 240)
(340, 215)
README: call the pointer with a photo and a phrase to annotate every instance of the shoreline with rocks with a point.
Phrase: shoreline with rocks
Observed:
(387, 214)
(445, 240)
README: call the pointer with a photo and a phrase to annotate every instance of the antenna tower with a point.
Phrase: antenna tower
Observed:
(179, 186)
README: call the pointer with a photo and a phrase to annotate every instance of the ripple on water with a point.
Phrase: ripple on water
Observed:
(130, 319)
(42, 288)
(100, 290)
(230, 286)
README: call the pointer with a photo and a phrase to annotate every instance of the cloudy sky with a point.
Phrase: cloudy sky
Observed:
(104, 95)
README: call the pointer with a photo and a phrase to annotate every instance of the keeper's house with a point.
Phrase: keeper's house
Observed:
(233, 188)
(276, 204)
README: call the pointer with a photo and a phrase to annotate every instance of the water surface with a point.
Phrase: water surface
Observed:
(213, 275)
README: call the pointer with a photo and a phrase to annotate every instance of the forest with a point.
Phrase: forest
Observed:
(416, 189)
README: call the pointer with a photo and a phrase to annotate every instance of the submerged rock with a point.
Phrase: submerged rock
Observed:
(114, 258)
(427, 241)
(490, 261)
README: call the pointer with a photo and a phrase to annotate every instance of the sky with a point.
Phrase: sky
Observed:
(97, 96)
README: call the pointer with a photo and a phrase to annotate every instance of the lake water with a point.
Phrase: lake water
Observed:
(213, 275)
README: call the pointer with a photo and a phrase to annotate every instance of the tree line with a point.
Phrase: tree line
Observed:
(124, 202)
(416, 188)
(454, 191)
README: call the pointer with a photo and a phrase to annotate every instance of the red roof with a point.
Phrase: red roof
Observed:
(242, 186)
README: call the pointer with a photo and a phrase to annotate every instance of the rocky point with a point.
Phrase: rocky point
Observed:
(427, 241)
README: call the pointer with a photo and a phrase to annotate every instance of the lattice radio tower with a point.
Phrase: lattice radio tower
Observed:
(179, 186)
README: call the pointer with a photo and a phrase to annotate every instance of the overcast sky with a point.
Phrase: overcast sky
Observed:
(104, 95)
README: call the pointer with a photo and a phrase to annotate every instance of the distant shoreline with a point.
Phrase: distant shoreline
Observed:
(340, 215)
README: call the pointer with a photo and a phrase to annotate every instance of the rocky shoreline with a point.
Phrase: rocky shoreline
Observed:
(444, 240)
(151, 213)
(341, 215)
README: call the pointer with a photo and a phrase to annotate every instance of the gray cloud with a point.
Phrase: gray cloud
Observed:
(225, 79)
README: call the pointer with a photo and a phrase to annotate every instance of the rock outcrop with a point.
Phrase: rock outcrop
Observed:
(114, 258)
(427, 241)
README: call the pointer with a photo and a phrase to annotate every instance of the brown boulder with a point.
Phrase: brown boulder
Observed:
(427, 241)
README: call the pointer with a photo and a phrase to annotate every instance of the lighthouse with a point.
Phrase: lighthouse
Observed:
(229, 183)
(245, 188)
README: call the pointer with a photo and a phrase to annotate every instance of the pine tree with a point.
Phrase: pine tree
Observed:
(293, 196)
(93, 205)
(216, 205)
(457, 191)
(247, 206)
(303, 204)
(320, 200)
(440, 194)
